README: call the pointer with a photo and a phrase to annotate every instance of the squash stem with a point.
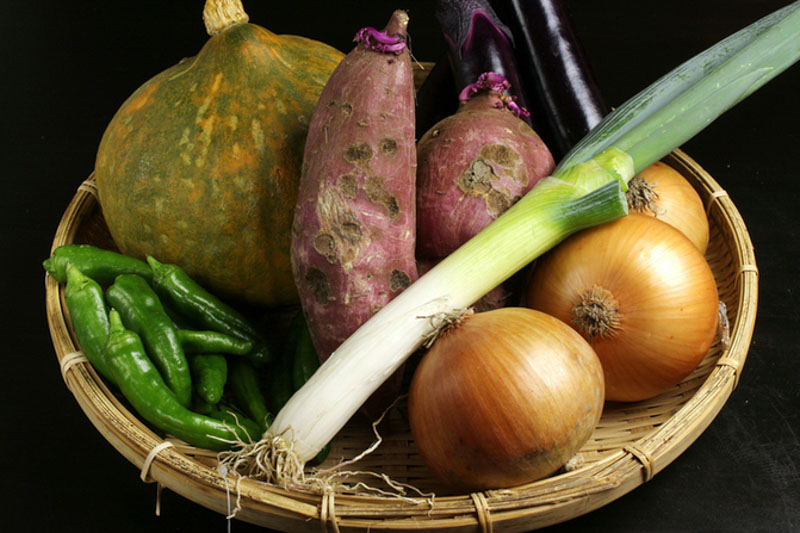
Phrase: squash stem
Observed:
(219, 15)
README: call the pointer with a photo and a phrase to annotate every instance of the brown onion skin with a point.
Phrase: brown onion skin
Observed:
(505, 398)
(678, 203)
(667, 298)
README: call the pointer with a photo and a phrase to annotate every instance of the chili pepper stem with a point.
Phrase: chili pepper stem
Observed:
(89, 317)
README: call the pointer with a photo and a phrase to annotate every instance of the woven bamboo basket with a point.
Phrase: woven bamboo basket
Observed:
(631, 443)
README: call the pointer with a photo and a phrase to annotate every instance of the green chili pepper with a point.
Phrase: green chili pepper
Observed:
(209, 374)
(280, 386)
(244, 384)
(180, 321)
(194, 341)
(236, 418)
(306, 361)
(101, 265)
(89, 316)
(194, 302)
(229, 414)
(142, 312)
(143, 386)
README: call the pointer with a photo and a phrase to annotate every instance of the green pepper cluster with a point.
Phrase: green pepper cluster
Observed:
(189, 364)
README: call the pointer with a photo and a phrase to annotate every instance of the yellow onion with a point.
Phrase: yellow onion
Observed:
(642, 295)
(503, 398)
(662, 192)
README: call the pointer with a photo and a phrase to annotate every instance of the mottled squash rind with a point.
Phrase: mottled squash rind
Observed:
(200, 165)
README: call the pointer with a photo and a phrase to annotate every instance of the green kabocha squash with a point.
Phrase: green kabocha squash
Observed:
(200, 165)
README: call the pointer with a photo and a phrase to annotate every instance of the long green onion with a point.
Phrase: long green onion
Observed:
(684, 101)
(551, 211)
(587, 189)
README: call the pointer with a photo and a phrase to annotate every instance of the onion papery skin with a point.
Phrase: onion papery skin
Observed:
(665, 290)
(677, 203)
(506, 397)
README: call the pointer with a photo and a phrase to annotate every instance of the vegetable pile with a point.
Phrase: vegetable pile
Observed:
(197, 167)
(396, 231)
(190, 364)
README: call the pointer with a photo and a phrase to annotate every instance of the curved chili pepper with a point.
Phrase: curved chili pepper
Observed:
(280, 387)
(142, 312)
(304, 363)
(88, 314)
(244, 384)
(212, 342)
(230, 415)
(190, 299)
(209, 374)
(143, 386)
(103, 266)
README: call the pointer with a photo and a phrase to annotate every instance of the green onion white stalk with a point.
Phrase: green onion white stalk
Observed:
(546, 215)
(586, 189)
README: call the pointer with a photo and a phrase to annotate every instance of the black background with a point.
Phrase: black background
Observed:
(67, 66)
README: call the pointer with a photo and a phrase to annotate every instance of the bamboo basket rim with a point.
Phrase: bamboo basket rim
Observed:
(190, 472)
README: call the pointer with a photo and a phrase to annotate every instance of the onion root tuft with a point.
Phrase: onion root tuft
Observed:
(643, 197)
(597, 314)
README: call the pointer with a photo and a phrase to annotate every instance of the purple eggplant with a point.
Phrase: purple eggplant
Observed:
(476, 42)
(555, 73)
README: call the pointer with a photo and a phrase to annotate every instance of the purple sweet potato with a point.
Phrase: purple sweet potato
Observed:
(353, 237)
(473, 166)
